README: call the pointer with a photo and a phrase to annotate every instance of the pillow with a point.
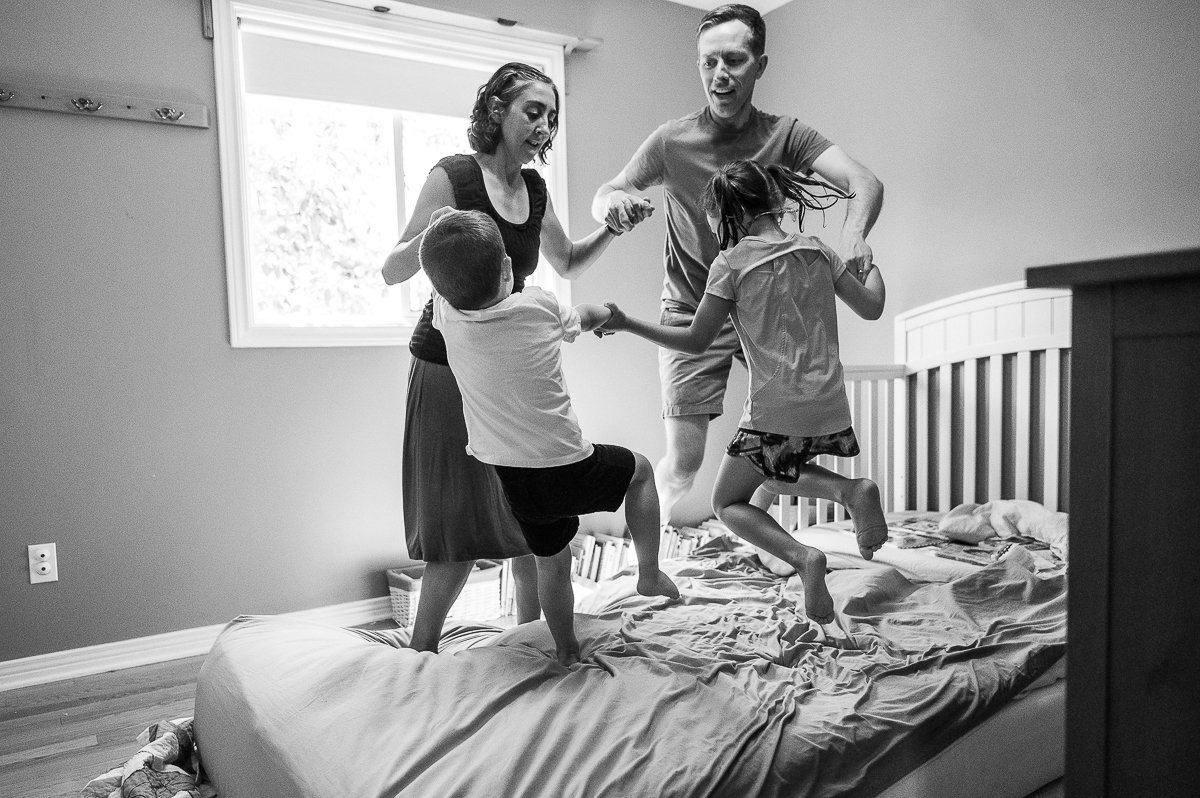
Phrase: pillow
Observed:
(971, 523)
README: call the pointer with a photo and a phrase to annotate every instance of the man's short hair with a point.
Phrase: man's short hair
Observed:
(463, 255)
(742, 13)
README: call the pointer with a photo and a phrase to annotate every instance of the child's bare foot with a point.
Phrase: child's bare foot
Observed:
(818, 604)
(656, 583)
(870, 526)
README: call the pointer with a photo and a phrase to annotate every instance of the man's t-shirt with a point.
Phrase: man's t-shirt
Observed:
(682, 155)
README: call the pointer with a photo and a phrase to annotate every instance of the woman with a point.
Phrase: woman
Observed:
(454, 508)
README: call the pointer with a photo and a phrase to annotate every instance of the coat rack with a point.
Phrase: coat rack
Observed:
(103, 104)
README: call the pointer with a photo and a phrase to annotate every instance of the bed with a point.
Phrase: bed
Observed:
(940, 677)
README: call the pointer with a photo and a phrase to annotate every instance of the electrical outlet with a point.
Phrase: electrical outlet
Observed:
(43, 563)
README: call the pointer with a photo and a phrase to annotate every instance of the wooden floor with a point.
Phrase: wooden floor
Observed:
(54, 738)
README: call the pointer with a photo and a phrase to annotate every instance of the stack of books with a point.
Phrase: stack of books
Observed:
(597, 556)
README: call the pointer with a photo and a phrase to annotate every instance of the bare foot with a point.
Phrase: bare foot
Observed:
(818, 604)
(870, 526)
(656, 583)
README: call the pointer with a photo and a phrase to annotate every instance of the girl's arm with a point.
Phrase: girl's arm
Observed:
(864, 296)
(706, 324)
(572, 258)
(404, 261)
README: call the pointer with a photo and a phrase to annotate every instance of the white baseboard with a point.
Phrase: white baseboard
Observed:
(60, 665)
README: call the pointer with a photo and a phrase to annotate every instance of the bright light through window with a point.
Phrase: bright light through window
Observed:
(332, 118)
(322, 186)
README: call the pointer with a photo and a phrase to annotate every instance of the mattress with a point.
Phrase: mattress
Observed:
(729, 692)
(1010, 755)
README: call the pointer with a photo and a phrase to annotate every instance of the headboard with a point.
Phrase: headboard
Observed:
(983, 411)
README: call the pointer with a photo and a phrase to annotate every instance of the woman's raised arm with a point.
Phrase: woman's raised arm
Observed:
(404, 261)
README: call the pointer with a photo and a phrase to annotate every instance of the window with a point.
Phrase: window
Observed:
(330, 117)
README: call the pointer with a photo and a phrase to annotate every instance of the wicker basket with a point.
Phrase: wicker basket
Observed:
(481, 597)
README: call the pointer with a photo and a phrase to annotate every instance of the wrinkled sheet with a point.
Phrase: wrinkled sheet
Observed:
(730, 692)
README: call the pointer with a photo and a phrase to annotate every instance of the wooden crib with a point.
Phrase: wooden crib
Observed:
(975, 408)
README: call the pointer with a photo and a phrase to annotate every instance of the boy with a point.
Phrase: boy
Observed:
(504, 350)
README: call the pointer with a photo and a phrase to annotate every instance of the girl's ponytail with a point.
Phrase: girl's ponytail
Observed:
(809, 193)
(742, 190)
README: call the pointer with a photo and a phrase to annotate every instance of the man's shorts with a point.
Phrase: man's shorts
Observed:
(780, 457)
(695, 384)
(547, 502)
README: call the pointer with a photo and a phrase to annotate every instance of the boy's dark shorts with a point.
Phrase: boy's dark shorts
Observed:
(547, 502)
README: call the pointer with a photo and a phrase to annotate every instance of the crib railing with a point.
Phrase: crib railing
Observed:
(974, 410)
(873, 392)
(992, 427)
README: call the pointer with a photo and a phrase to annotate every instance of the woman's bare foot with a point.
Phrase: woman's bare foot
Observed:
(818, 604)
(870, 526)
(656, 583)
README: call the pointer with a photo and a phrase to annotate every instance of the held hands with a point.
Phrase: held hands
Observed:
(857, 256)
(625, 212)
(616, 321)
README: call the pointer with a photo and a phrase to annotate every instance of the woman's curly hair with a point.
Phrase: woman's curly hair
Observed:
(505, 85)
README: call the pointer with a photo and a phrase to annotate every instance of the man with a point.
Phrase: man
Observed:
(681, 155)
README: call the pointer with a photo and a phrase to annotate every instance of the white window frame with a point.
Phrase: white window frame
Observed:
(439, 36)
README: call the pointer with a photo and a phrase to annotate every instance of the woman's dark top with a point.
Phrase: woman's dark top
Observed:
(521, 241)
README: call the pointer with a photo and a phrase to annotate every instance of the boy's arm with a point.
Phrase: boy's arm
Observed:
(705, 326)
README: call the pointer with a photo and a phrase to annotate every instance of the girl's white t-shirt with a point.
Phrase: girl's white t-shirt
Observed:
(785, 313)
(508, 363)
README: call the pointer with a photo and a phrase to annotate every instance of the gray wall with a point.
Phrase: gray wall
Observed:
(186, 482)
(1008, 135)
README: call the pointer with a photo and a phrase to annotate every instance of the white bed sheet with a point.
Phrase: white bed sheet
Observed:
(730, 692)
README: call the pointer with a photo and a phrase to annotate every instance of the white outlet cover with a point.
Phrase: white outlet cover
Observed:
(43, 554)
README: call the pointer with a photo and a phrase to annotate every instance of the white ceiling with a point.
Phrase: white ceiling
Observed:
(762, 6)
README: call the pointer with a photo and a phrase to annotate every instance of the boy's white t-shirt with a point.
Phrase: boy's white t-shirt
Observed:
(508, 363)
(785, 313)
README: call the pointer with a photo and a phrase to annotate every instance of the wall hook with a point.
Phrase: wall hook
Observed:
(84, 104)
(157, 110)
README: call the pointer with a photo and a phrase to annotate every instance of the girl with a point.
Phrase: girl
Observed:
(780, 289)
(454, 508)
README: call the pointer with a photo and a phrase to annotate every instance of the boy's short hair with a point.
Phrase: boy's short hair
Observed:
(463, 255)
